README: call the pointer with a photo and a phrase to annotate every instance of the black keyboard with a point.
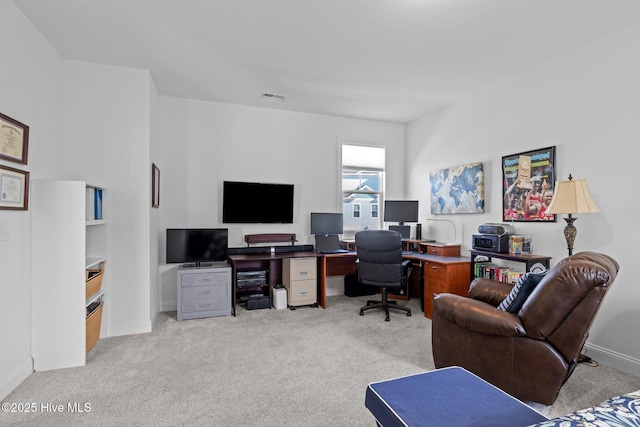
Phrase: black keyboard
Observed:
(333, 251)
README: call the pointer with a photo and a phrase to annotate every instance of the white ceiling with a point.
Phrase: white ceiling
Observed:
(390, 60)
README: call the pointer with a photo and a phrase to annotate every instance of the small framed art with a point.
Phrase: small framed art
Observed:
(14, 140)
(14, 188)
(155, 186)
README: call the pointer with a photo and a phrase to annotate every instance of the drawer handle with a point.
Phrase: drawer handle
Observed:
(204, 292)
(303, 273)
(206, 279)
(304, 294)
(204, 305)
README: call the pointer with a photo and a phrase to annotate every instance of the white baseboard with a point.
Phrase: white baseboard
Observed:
(115, 330)
(16, 378)
(619, 361)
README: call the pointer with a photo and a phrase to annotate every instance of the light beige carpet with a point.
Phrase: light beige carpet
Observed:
(303, 367)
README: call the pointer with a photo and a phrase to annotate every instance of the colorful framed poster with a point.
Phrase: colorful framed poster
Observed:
(457, 190)
(527, 185)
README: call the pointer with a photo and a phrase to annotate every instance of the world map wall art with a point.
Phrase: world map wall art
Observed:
(457, 190)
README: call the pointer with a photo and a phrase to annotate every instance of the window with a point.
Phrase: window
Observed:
(362, 187)
(356, 210)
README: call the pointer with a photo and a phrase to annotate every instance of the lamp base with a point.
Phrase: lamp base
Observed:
(570, 232)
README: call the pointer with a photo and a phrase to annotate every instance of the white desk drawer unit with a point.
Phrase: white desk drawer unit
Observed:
(299, 276)
(204, 292)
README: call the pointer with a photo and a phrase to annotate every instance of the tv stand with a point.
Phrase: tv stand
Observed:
(204, 291)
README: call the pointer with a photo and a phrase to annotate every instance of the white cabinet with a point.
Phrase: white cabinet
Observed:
(61, 241)
(204, 292)
(299, 276)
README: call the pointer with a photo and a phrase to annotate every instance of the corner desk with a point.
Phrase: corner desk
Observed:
(440, 274)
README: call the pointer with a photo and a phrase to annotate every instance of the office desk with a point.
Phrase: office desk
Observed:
(440, 273)
(270, 262)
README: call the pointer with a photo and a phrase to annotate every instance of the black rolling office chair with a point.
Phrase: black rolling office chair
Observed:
(380, 264)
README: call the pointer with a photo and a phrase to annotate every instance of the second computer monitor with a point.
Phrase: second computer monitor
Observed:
(401, 211)
(326, 223)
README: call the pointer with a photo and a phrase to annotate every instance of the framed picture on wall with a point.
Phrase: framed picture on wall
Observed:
(14, 188)
(527, 185)
(457, 190)
(14, 140)
(155, 186)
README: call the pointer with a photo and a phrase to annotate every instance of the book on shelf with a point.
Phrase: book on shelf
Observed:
(98, 203)
(93, 204)
(487, 270)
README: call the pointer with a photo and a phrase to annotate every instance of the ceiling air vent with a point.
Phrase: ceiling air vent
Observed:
(273, 97)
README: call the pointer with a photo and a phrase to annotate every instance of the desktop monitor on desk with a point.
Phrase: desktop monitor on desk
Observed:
(401, 211)
(326, 227)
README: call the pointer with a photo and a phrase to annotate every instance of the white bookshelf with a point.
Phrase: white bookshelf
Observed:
(64, 244)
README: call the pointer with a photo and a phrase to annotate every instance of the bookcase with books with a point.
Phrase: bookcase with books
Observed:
(66, 244)
(96, 256)
(500, 273)
(483, 265)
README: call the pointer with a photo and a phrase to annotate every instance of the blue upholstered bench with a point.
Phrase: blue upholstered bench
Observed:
(447, 397)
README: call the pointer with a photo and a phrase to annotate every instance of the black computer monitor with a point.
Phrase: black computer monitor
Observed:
(326, 223)
(401, 211)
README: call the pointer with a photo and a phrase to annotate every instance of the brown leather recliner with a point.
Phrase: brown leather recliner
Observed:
(532, 353)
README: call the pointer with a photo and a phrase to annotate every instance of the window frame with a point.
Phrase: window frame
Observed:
(354, 169)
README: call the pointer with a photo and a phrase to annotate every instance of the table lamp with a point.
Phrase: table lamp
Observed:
(571, 197)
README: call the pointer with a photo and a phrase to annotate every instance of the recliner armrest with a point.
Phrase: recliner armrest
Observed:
(489, 291)
(477, 316)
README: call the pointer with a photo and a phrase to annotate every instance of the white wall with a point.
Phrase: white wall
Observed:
(586, 104)
(31, 84)
(108, 119)
(205, 143)
(154, 215)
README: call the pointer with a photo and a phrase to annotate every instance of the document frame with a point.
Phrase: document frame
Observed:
(14, 189)
(14, 140)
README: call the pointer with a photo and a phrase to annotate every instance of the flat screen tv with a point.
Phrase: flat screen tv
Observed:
(401, 211)
(326, 223)
(257, 203)
(197, 245)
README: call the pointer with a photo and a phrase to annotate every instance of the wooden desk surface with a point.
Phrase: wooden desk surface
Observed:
(436, 258)
(344, 263)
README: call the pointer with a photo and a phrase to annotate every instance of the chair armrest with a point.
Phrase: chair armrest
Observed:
(489, 291)
(477, 316)
(407, 268)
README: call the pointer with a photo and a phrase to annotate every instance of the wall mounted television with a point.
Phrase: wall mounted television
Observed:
(257, 203)
(326, 223)
(197, 245)
(401, 211)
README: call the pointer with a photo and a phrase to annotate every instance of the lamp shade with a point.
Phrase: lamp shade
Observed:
(570, 197)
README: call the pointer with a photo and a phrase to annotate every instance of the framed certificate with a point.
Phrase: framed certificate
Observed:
(14, 188)
(14, 140)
